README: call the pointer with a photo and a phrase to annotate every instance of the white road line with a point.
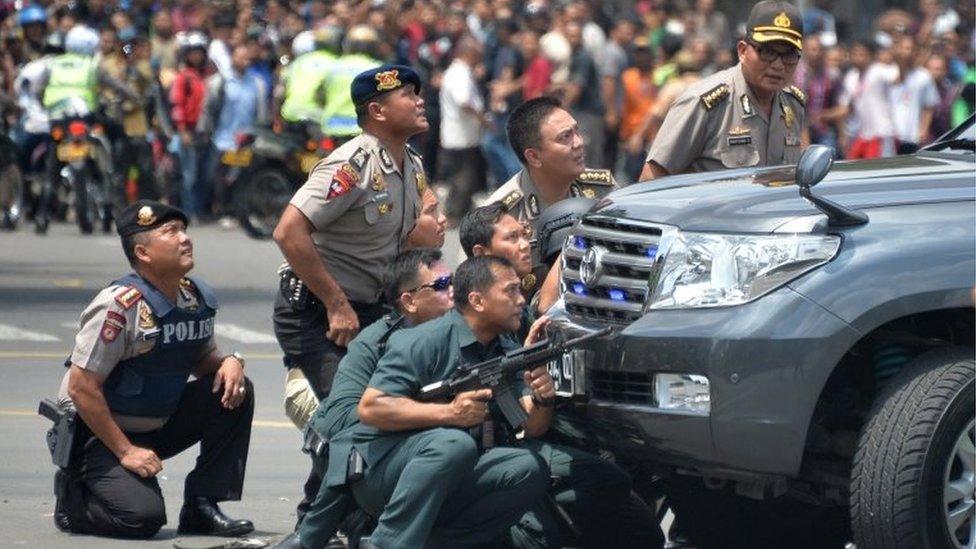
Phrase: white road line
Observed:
(13, 333)
(72, 325)
(242, 334)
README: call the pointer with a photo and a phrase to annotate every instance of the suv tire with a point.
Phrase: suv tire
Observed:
(916, 446)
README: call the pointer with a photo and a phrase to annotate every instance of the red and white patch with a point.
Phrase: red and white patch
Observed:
(111, 329)
(343, 181)
(118, 317)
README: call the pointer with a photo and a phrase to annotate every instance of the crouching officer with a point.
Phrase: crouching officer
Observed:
(140, 340)
(546, 139)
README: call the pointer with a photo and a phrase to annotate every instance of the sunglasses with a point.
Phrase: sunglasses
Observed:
(768, 54)
(438, 285)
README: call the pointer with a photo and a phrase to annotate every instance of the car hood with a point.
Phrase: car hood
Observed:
(758, 200)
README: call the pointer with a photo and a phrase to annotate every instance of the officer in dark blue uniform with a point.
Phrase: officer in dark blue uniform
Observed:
(140, 340)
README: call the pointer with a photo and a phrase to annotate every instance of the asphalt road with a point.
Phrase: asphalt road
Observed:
(44, 284)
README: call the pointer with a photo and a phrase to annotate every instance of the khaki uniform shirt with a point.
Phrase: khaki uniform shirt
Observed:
(111, 333)
(523, 201)
(717, 124)
(362, 208)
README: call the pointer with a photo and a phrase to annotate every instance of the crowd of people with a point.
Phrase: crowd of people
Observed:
(205, 72)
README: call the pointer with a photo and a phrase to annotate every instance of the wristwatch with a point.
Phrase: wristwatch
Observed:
(238, 356)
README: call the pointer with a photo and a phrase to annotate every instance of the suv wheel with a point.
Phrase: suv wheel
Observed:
(913, 477)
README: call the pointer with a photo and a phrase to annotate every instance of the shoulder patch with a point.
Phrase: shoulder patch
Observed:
(511, 199)
(797, 93)
(128, 298)
(596, 177)
(715, 95)
(344, 179)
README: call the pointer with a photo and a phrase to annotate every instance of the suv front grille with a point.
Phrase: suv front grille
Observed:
(622, 387)
(627, 251)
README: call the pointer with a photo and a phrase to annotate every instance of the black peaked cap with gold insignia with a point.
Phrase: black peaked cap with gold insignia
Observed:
(382, 79)
(774, 21)
(146, 215)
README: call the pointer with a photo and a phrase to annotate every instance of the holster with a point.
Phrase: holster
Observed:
(315, 445)
(295, 291)
(60, 437)
(355, 466)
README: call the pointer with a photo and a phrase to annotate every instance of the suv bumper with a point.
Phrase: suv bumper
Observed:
(766, 363)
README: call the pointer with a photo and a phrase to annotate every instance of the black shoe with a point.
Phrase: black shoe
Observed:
(61, 482)
(291, 541)
(200, 516)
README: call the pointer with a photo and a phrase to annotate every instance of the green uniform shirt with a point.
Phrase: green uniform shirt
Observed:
(414, 358)
(303, 79)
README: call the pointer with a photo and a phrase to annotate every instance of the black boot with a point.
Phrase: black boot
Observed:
(291, 541)
(201, 516)
(62, 483)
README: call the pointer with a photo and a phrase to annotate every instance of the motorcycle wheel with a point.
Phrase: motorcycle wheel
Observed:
(260, 199)
(85, 208)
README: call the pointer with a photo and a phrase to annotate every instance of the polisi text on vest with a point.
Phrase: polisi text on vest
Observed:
(188, 330)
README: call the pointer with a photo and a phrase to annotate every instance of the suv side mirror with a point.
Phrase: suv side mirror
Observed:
(814, 165)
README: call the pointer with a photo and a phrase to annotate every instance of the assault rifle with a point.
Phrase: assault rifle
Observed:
(499, 373)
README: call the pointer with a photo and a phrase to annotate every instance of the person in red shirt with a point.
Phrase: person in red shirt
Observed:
(538, 69)
(187, 97)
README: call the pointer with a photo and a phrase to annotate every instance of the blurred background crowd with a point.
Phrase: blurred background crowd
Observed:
(175, 83)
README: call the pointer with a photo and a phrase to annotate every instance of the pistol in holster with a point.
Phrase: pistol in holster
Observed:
(60, 437)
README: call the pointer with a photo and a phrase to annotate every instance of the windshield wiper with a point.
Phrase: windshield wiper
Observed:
(960, 143)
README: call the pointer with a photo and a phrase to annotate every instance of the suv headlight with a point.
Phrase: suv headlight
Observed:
(716, 270)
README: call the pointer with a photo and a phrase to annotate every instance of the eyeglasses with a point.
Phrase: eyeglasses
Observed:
(438, 285)
(768, 54)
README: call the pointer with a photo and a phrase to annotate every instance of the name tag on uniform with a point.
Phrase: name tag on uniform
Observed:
(381, 197)
(740, 140)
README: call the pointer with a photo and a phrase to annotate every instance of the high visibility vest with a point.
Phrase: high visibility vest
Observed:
(303, 79)
(72, 75)
(339, 118)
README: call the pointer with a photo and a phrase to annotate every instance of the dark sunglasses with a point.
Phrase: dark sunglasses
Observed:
(438, 285)
(768, 54)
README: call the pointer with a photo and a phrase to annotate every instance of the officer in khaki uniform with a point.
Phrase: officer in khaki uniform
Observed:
(345, 225)
(546, 139)
(748, 115)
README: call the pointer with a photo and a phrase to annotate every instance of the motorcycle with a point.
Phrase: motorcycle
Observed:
(79, 164)
(265, 170)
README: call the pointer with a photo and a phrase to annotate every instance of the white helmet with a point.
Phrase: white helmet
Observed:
(81, 40)
(189, 40)
(303, 42)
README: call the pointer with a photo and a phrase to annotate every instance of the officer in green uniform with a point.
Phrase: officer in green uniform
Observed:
(75, 73)
(424, 476)
(358, 55)
(546, 139)
(420, 288)
(594, 492)
(302, 81)
(140, 340)
(748, 115)
(346, 224)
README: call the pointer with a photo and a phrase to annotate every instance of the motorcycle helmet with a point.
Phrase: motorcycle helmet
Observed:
(361, 39)
(192, 40)
(81, 40)
(303, 43)
(328, 38)
(32, 15)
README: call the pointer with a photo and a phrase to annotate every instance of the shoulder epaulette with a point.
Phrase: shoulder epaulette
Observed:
(596, 177)
(797, 93)
(129, 297)
(715, 95)
(414, 152)
(358, 158)
(511, 199)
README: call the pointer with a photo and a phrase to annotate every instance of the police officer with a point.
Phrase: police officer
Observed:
(301, 88)
(420, 289)
(748, 115)
(424, 476)
(546, 139)
(358, 55)
(345, 225)
(140, 340)
(595, 493)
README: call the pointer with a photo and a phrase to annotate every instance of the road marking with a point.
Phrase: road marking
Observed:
(73, 325)
(256, 422)
(67, 283)
(34, 354)
(12, 333)
(242, 334)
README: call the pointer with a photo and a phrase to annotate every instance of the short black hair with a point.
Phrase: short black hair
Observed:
(403, 273)
(524, 122)
(129, 246)
(478, 226)
(476, 275)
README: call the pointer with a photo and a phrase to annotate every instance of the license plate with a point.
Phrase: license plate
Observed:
(567, 373)
(241, 158)
(72, 151)
(306, 161)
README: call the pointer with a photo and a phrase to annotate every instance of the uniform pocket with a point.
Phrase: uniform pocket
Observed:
(739, 156)
(371, 211)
